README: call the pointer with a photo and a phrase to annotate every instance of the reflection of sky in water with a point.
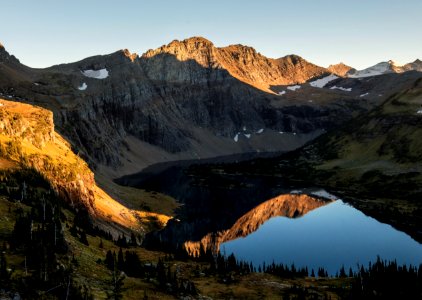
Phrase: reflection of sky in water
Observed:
(329, 236)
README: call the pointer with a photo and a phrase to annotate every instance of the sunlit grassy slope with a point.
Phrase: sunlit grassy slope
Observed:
(384, 146)
(28, 139)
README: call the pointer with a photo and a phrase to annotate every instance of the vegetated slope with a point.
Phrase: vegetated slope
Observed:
(28, 140)
(373, 161)
(380, 152)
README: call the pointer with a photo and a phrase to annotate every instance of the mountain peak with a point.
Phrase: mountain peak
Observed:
(196, 42)
(4, 55)
(241, 48)
(183, 49)
(340, 69)
(128, 54)
(198, 39)
(292, 58)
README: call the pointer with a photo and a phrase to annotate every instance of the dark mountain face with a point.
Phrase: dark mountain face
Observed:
(188, 99)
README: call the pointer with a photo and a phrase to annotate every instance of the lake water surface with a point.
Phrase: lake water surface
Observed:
(330, 236)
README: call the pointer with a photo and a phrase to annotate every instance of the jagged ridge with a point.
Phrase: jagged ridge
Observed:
(242, 62)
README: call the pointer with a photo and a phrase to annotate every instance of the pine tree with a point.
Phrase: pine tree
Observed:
(133, 241)
(83, 238)
(109, 260)
(120, 260)
(116, 283)
(4, 274)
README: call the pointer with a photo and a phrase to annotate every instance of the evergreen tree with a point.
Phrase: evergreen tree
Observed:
(116, 283)
(4, 273)
(109, 260)
(83, 238)
(133, 241)
(120, 260)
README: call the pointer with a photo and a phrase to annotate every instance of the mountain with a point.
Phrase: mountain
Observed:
(340, 69)
(378, 69)
(187, 100)
(385, 68)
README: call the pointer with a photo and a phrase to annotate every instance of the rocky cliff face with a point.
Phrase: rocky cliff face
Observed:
(290, 206)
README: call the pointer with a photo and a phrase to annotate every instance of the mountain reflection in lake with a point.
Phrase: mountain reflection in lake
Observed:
(327, 236)
(287, 205)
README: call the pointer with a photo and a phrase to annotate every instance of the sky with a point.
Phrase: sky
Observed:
(359, 33)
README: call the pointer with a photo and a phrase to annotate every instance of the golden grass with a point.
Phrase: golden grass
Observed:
(6, 164)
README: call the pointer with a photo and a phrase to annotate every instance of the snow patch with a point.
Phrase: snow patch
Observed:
(83, 87)
(378, 69)
(294, 133)
(320, 83)
(244, 128)
(281, 93)
(248, 135)
(260, 131)
(236, 137)
(36, 83)
(340, 88)
(293, 87)
(296, 192)
(324, 194)
(281, 132)
(419, 111)
(97, 74)
(364, 95)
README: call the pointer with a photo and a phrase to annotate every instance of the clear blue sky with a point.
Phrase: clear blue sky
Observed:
(357, 32)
